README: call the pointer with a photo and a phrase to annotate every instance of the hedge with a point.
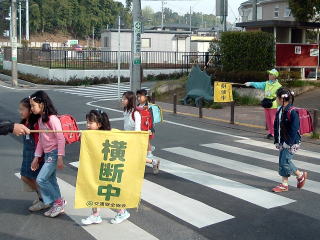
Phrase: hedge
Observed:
(247, 51)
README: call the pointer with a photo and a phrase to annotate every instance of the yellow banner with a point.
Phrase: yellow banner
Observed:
(111, 169)
(222, 92)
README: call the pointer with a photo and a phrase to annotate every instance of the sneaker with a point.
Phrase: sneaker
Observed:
(269, 136)
(48, 213)
(302, 180)
(91, 220)
(280, 188)
(35, 201)
(38, 206)
(120, 217)
(57, 209)
(155, 166)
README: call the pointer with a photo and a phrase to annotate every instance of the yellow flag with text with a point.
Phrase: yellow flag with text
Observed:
(222, 92)
(111, 169)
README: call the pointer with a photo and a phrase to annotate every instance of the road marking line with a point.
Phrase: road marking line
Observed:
(179, 205)
(256, 171)
(300, 152)
(126, 230)
(242, 191)
(262, 156)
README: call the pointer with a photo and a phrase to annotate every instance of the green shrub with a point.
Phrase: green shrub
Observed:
(245, 100)
(238, 77)
(247, 51)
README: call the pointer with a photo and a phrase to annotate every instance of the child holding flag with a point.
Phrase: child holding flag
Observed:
(96, 120)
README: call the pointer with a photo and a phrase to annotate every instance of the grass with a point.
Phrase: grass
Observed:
(245, 100)
(299, 83)
(315, 136)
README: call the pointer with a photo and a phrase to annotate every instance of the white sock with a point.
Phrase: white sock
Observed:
(285, 184)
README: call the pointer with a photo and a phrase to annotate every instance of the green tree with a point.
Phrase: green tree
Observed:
(305, 10)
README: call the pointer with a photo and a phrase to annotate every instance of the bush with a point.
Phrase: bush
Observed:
(245, 100)
(238, 77)
(247, 51)
(162, 76)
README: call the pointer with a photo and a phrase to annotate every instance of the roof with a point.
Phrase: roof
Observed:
(174, 26)
(260, 2)
(151, 31)
(278, 23)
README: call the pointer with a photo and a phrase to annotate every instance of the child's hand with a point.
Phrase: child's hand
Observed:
(35, 164)
(60, 162)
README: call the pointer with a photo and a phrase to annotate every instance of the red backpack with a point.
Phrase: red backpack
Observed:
(146, 118)
(68, 123)
(305, 118)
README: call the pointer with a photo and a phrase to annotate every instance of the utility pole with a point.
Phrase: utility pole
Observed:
(162, 14)
(190, 27)
(225, 15)
(27, 21)
(136, 46)
(119, 60)
(20, 27)
(93, 36)
(14, 54)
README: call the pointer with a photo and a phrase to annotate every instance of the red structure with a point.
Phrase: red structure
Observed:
(297, 55)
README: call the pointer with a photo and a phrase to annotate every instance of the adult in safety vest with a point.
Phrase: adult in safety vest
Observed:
(269, 102)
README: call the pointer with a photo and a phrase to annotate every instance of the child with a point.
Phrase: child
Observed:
(287, 140)
(29, 146)
(143, 102)
(270, 88)
(53, 147)
(96, 120)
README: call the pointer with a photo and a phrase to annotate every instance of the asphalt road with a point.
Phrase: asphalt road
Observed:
(214, 183)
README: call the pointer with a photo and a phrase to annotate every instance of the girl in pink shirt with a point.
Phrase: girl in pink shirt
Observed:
(52, 145)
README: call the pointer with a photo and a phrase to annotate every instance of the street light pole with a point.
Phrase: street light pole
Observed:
(119, 60)
(14, 43)
(136, 46)
(20, 27)
(27, 21)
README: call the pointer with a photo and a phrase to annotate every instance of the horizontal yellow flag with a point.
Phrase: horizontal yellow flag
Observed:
(111, 169)
(222, 92)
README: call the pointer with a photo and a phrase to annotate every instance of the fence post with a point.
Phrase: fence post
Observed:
(175, 103)
(232, 112)
(200, 107)
(65, 59)
(83, 67)
(315, 121)
(50, 59)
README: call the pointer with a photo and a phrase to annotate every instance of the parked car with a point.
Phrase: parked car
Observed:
(77, 47)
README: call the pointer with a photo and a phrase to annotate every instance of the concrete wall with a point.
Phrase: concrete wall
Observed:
(67, 74)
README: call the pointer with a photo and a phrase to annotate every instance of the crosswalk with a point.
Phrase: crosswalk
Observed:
(99, 92)
(191, 208)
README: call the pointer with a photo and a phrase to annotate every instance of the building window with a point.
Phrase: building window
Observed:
(287, 12)
(259, 13)
(276, 12)
(146, 42)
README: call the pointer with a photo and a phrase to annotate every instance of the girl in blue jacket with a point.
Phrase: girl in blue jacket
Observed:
(287, 139)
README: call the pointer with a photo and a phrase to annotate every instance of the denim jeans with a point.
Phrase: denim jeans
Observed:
(286, 166)
(47, 179)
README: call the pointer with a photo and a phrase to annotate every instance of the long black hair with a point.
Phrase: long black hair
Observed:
(33, 119)
(100, 117)
(48, 108)
(131, 101)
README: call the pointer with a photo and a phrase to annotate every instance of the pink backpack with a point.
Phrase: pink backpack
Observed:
(68, 123)
(306, 125)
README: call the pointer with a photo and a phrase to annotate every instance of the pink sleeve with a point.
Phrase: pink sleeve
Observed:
(39, 149)
(56, 125)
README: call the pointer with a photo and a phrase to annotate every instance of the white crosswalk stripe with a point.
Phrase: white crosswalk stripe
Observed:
(176, 204)
(100, 92)
(253, 170)
(301, 152)
(262, 156)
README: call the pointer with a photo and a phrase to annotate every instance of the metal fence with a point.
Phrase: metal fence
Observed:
(93, 59)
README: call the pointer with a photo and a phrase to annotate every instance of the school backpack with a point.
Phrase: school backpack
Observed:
(157, 115)
(305, 118)
(146, 118)
(68, 123)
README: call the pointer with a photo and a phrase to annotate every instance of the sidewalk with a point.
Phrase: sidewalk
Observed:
(245, 117)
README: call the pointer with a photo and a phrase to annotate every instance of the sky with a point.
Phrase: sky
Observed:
(204, 6)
